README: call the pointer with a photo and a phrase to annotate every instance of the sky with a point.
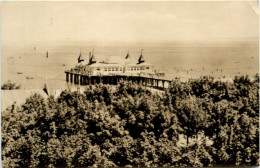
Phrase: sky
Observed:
(28, 23)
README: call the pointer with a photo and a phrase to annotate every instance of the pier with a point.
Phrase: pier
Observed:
(84, 79)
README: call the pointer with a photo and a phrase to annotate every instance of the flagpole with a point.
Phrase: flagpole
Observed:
(45, 86)
(46, 69)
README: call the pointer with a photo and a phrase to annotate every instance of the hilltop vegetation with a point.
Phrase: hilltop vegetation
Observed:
(131, 126)
(10, 86)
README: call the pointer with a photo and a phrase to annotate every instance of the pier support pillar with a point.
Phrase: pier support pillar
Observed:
(103, 80)
(71, 78)
(94, 81)
(100, 79)
(163, 83)
(80, 80)
(114, 80)
(83, 80)
(75, 79)
(91, 81)
(87, 80)
(97, 80)
(67, 77)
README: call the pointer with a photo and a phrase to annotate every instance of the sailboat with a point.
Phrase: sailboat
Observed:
(45, 88)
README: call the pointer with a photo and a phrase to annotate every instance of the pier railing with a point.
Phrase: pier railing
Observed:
(113, 79)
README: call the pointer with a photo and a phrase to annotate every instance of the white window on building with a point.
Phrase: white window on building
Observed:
(147, 67)
(116, 69)
(105, 69)
(109, 69)
(120, 68)
(134, 68)
(112, 69)
(98, 69)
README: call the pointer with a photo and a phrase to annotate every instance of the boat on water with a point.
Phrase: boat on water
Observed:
(29, 77)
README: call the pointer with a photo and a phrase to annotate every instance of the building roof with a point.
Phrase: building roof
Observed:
(113, 60)
(118, 61)
(104, 64)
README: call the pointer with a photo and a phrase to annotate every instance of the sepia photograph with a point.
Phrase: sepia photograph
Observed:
(129, 84)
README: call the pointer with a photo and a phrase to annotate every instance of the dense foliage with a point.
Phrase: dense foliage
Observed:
(134, 126)
(10, 86)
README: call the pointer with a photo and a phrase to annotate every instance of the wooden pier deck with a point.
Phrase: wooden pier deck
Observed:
(83, 79)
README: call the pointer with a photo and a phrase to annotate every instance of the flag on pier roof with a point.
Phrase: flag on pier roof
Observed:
(45, 88)
(128, 55)
(92, 59)
(80, 58)
(141, 59)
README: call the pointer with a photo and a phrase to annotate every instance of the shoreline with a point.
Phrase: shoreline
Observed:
(19, 96)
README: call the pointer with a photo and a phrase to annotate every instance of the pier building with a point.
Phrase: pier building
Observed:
(114, 65)
(114, 69)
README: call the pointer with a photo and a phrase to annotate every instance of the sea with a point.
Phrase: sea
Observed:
(29, 66)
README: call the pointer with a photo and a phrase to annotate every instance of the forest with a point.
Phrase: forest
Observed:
(129, 125)
(10, 86)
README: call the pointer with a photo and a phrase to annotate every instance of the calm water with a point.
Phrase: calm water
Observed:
(176, 60)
